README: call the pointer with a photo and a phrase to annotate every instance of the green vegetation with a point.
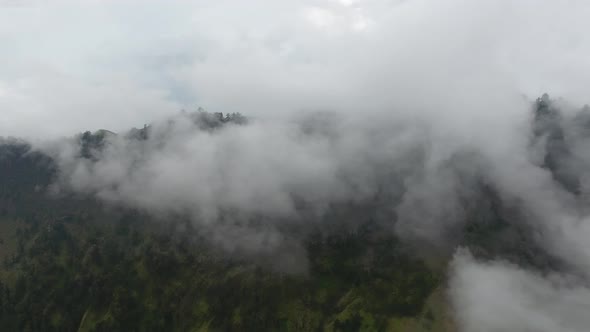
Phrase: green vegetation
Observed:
(68, 264)
(70, 275)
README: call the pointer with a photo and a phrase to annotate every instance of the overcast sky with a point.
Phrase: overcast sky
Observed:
(67, 66)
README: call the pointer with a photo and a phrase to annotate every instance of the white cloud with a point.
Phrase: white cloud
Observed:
(321, 17)
(500, 297)
(372, 54)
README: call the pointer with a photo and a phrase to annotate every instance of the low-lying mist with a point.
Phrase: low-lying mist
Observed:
(257, 186)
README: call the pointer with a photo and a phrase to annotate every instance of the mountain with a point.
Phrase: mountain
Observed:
(80, 260)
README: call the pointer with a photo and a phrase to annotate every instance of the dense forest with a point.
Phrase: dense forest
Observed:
(73, 262)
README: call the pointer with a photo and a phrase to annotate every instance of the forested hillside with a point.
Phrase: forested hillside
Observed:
(71, 261)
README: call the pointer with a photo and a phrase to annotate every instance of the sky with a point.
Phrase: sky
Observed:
(68, 66)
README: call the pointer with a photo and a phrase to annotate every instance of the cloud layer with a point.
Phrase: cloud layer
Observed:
(114, 64)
